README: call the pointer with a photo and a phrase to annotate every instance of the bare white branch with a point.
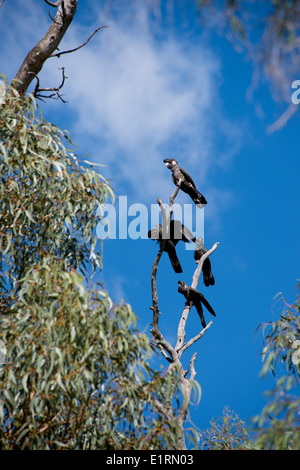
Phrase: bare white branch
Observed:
(197, 273)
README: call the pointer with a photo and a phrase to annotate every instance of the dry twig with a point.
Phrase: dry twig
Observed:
(37, 90)
(58, 54)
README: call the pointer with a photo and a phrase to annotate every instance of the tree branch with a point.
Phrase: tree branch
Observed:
(197, 273)
(53, 4)
(185, 346)
(58, 54)
(37, 91)
(187, 308)
(166, 412)
(188, 383)
(282, 120)
(158, 337)
(173, 355)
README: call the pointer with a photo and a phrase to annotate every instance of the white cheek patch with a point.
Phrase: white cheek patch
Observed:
(199, 242)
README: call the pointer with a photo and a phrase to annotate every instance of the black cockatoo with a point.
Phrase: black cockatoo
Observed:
(194, 297)
(184, 181)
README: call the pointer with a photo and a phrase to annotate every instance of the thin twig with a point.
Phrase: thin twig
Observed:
(188, 384)
(282, 120)
(58, 54)
(197, 273)
(159, 339)
(185, 346)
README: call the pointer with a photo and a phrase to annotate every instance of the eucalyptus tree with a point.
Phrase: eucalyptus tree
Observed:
(74, 369)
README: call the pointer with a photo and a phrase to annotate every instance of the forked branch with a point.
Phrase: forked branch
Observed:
(170, 353)
(38, 91)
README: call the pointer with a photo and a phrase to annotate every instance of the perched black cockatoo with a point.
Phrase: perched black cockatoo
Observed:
(194, 297)
(176, 233)
(184, 181)
(200, 250)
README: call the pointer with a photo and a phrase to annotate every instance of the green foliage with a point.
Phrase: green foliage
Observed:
(74, 370)
(281, 341)
(278, 426)
(227, 433)
(75, 374)
(47, 197)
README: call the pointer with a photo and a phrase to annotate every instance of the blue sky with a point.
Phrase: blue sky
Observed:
(146, 89)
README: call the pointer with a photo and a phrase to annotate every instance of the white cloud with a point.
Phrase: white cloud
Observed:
(132, 99)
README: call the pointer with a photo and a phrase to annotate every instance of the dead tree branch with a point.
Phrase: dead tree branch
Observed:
(162, 344)
(53, 4)
(283, 119)
(166, 224)
(57, 95)
(185, 346)
(170, 353)
(58, 54)
(36, 58)
(187, 308)
(188, 384)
